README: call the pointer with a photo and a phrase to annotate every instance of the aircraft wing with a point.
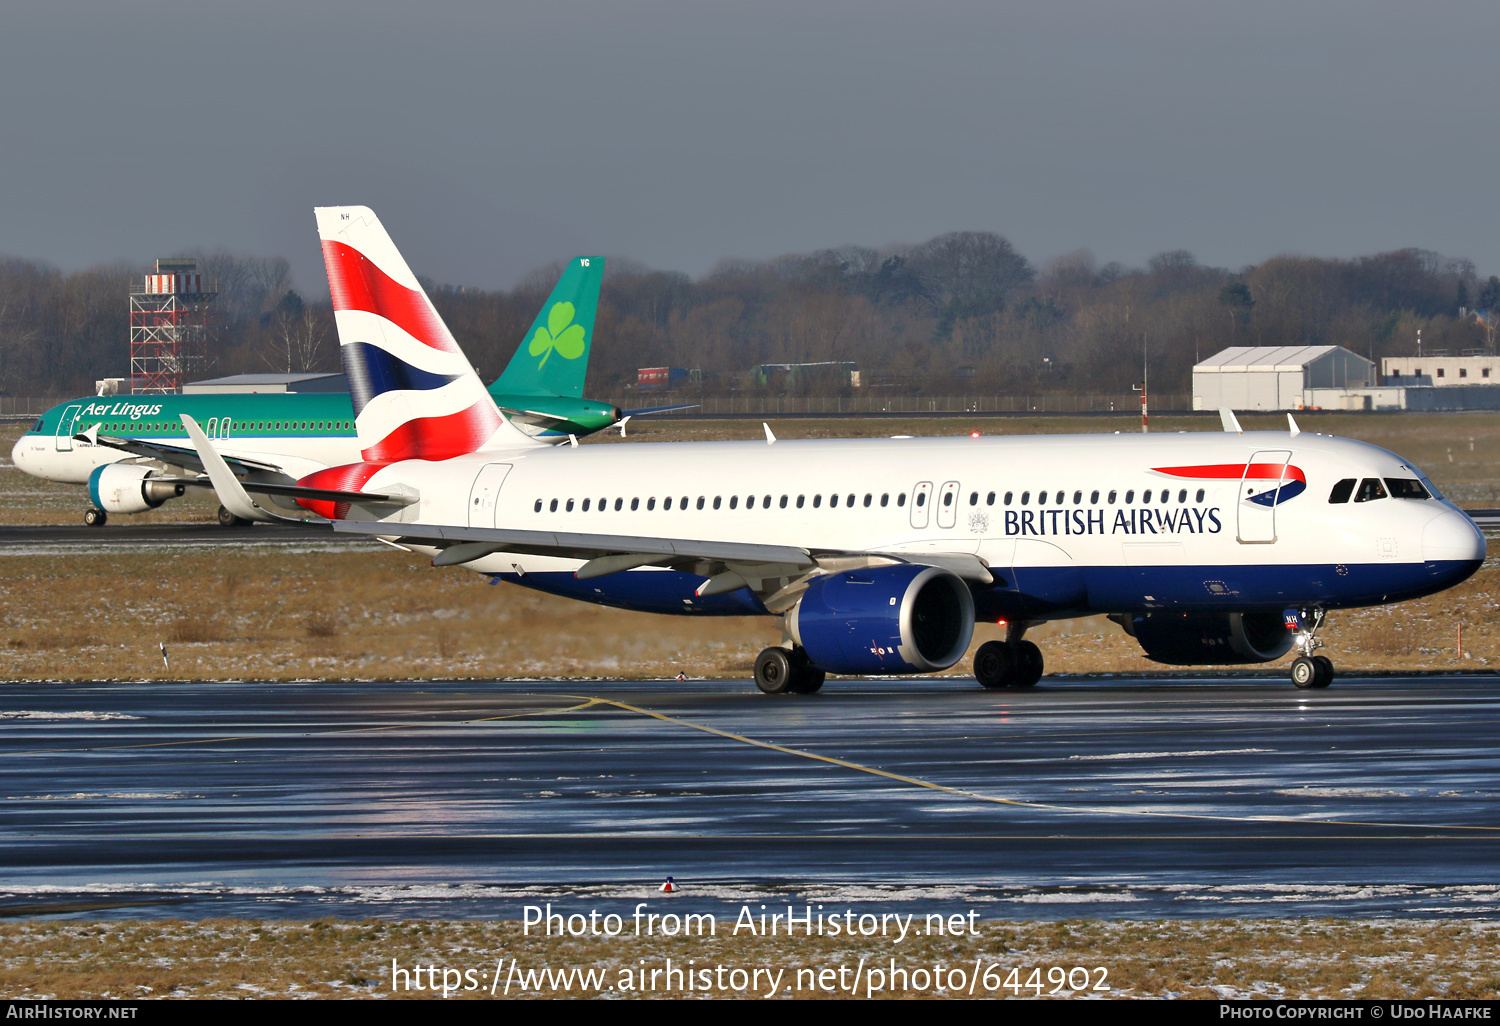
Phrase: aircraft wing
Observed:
(778, 574)
(176, 455)
(643, 411)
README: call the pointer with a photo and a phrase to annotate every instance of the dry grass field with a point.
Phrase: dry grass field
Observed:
(375, 613)
(1280, 958)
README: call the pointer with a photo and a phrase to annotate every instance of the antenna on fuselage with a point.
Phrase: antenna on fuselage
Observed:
(1292, 424)
(1231, 425)
(770, 438)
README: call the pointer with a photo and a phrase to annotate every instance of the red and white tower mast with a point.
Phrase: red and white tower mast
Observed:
(169, 326)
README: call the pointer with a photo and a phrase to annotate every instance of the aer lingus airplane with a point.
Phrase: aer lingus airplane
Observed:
(133, 455)
(878, 555)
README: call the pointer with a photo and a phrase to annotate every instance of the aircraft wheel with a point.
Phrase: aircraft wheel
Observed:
(806, 678)
(228, 519)
(775, 673)
(1029, 665)
(1305, 673)
(995, 664)
(95, 517)
(1325, 668)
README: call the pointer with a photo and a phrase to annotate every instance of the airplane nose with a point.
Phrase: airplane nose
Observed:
(1451, 536)
(17, 452)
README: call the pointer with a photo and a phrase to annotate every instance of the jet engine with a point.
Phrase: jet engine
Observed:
(888, 619)
(1199, 639)
(129, 488)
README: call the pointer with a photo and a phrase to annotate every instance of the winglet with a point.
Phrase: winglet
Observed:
(623, 421)
(1226, 415)
(234, 497)
(1292, 424)
(770, 438)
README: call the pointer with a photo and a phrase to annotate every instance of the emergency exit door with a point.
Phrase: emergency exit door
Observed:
(485, 492)
(1260, 490)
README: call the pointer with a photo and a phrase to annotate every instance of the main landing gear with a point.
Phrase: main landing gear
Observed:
(95, 517)
(1012, 663)
(1309, 670)
(786, 671)
(228, 519)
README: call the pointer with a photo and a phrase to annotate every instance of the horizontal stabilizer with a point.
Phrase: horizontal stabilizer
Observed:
(643, 411)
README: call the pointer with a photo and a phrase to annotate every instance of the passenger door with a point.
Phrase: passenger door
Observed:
(1260, 488)
(485, 492)
(65, 425)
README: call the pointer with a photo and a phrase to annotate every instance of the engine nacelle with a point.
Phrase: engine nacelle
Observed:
(888, 619)
(129, 488)
(1200, 639)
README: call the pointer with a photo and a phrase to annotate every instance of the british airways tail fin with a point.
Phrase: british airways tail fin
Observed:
(553, 358)
(415, 394)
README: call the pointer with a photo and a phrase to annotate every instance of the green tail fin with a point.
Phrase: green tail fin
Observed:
(554, 356)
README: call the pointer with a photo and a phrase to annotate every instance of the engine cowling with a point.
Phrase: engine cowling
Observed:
(889, 619)
(129, 488)
(1200, 639)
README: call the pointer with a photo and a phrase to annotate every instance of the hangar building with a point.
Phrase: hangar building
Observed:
(1276, 377)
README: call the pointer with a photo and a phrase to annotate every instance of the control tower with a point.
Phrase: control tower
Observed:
(169, 326)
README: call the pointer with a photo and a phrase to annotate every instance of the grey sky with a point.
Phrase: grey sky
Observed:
(494, 138)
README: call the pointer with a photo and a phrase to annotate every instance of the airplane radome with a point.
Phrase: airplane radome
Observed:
(878, 555)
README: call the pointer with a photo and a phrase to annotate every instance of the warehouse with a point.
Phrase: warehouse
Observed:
(1276, 377)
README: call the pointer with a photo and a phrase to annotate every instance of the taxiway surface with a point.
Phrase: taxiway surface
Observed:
(1085, 796)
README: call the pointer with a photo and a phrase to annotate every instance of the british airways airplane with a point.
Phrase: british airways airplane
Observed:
(877, 555)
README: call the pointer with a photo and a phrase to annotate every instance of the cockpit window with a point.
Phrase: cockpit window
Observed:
(38, 424)
(1406, 488)
(1342, 490)
(1370, 488)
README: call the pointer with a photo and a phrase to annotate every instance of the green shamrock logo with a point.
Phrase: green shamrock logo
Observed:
(559, 334)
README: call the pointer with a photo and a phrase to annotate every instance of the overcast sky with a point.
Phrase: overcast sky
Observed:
(494, 138)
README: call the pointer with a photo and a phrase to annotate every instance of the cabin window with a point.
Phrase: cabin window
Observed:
(570, 505)
(717, 500)
(1146, 495)
(1342, 491)
(1369, 490)
(1130, 496)
(1094, 497)
(1200, 494)
(684, 503)
(635, 504)
(619, 504)
(585, 505)
(921, 498)
(833, 500)
(900, 499)
(1166, 496)
(538, 508)
(749, 502)
(734, 501)
(973, 498)
(868, 499)
(1077, 498)
(603, 505)
(1406, 488)
(989, 500)
(849, 501)
(1041, 498)
(1025, 498)
(800, 500)
(784, 499)
(1007, 497)
(553, 507)
(666, 503)
(1182, 495)
(817, 501)
(701, 500)
(651, 503)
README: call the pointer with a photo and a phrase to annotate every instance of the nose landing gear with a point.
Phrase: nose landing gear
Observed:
(1308, 670)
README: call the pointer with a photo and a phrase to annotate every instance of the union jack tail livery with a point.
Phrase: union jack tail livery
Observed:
(415, 394)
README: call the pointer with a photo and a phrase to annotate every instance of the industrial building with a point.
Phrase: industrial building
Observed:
(1442, 370)
(268, 383)
(1278, 377)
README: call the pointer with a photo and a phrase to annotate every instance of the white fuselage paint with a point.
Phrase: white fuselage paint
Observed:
(1307, 529)
(298, 455)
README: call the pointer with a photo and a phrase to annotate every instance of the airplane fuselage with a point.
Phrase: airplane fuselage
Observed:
(1068, 525)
